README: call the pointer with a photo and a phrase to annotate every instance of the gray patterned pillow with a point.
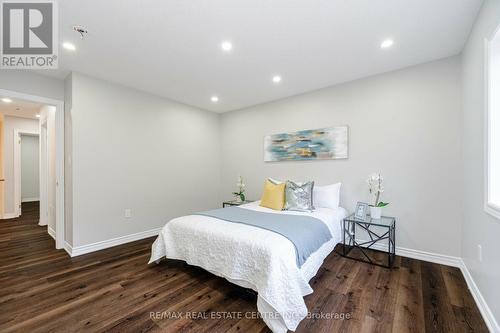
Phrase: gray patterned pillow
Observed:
(299, 197)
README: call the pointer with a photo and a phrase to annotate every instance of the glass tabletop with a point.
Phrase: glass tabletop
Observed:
(384, 221)
(234, 202)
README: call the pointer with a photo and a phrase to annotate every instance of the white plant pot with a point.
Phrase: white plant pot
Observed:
(375, 212)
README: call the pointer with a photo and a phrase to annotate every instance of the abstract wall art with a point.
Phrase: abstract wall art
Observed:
(317, 144)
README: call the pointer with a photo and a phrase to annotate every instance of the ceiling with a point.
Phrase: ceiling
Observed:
(172, 48)
(20, 108)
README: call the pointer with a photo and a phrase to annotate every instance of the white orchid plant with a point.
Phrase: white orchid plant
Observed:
(241, 187)
(376, 187)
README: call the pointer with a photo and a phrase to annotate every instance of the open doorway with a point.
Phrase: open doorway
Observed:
(26, 168)
(31, 162)
(30, 168)
(19, 119)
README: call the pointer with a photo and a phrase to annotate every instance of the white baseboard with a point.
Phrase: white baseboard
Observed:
(10, 216)
(422, 255)
(68, 248)
(84, 249)
(430, 257)
(442, 259)
(30, 199)
(51, 232)
(485, 310)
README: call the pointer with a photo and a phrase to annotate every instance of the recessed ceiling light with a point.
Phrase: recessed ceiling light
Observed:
(226, 46)
(69, 46)
(38, 116)
(386, 43)
(214, 99)
(6, 100)
(276, 79)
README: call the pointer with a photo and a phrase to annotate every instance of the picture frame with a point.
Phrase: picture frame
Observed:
(328, 143)
(361, 211)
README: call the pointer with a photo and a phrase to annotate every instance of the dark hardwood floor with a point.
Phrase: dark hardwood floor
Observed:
(44, 290)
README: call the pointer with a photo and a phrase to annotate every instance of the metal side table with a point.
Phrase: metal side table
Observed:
(371, 228)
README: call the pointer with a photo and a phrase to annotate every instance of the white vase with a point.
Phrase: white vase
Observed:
(238, 199)
(375, 212)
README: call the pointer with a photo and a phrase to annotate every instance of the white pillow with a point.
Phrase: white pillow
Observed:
(327, 196)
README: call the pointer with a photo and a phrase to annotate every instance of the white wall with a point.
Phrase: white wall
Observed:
(28, 82)
(479, 228)
(11, 123)
(133, 150)
(404, 124)
(30, 173)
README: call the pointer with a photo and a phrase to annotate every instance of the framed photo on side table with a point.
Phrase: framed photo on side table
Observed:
(361, 211)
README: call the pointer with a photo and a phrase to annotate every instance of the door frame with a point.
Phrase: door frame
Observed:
(59, 127)
(44, 174)
(17, 166)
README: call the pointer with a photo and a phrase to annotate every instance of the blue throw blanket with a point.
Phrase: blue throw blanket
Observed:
(305, 232)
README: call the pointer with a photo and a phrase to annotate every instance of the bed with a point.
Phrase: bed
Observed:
(252, 257)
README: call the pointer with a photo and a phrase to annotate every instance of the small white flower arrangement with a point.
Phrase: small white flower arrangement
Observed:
(375, 186)
(240, 195)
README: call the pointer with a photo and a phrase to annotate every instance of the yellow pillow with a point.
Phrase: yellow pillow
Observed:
(273, 196)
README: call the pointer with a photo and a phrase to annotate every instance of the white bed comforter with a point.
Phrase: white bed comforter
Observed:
(251, 257)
